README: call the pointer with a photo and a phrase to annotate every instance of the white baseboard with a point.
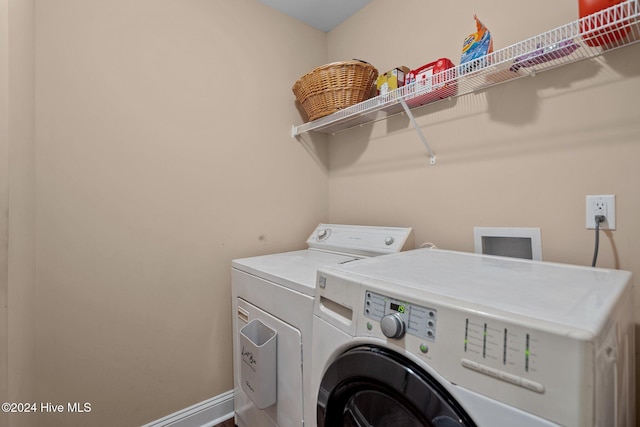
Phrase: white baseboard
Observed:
(204, 414)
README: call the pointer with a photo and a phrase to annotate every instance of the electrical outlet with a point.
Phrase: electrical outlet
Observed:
(601, 205)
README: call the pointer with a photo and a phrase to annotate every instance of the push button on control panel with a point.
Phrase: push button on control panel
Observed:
(513, 379)
(531, 385)
(504, 376)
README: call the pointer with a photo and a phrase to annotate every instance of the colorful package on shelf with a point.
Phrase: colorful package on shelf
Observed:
(391, 80)
(545, 54)
(475, 49)
(432, 82)
(595, 15)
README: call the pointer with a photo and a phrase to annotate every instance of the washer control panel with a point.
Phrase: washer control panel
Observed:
(398, 317)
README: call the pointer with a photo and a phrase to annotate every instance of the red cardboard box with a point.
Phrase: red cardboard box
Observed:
(432, 82)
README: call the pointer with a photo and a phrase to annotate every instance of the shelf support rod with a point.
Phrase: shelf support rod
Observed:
(432, 155)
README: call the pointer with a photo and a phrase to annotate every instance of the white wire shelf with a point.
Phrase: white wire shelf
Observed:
(588, 37)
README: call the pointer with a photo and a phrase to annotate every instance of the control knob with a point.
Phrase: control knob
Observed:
(323, 234)
(392, 326)
(389, 240)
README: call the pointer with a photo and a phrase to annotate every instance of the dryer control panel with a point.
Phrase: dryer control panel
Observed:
(360, 239)
(411, 318)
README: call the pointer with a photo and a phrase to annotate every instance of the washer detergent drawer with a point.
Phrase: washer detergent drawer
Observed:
(286, 410)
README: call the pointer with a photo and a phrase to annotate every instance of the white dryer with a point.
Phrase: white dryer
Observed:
(273, 304)
(439, 338)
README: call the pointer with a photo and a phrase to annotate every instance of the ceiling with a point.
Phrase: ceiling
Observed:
(324, 15)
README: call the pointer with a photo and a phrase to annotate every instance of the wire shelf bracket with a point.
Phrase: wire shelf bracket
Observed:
(407, 110)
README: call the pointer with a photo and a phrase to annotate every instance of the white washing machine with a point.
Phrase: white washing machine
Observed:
(273, 313)
(438, 338)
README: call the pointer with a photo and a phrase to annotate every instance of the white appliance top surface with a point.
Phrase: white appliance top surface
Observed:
(295, 270)
(328, 244)
(574, 296)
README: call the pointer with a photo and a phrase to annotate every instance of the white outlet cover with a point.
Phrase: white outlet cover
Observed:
(610, 222)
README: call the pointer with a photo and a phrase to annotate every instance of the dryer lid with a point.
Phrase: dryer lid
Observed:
(295, 270)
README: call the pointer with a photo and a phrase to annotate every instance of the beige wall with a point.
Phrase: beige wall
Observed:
(17, 198)
(164, 150)
(22, 239)
(524, 154)
(4, 204)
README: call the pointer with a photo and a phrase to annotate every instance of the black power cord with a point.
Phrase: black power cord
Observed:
(599, 219)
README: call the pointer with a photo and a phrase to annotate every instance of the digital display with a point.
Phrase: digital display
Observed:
(397, 307)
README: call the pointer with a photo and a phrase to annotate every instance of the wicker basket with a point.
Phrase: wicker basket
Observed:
(334, 86)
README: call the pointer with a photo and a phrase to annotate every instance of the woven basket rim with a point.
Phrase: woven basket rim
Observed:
(335, 64)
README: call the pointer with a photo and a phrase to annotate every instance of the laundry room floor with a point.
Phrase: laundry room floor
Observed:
(228, 423)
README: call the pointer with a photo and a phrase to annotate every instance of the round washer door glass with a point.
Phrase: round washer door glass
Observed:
(372, 386)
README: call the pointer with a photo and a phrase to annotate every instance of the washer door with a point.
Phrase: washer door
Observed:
(372, 386)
